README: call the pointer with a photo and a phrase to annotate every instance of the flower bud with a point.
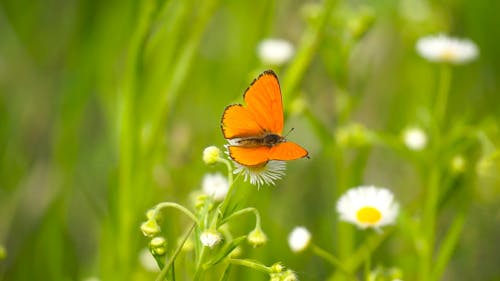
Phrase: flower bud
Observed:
(277, 268)
(150, 228)
(211, 154)
(257, 237)
(352, 135)
(458, 164)
(158, 246)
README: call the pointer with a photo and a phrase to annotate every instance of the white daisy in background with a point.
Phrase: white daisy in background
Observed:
(215, 185)
(265, 174)
(368, 206)
(415, 138)
(275, 51)
(299, 239)
(441, 48)
(210, 238)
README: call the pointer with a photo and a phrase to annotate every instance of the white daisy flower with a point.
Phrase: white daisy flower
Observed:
(299, 239)
(215, 185)
(265, 174)
(275, 51)
(415, 138)
(441, 48)
(368, 206)
(210, 238)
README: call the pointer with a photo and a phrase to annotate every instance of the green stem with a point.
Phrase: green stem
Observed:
(442, 95)
(448, 245)
(225, 202)
(251, 264)
(183, 65)
(175, 206)
(428, 228)
(242, 212)
(307, 48)
(163, 272)
(333, 260)
(127, 139)
(198, 264)
(367, 268)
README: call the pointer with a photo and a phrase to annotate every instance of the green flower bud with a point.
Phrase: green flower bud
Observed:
(257, 237)
(150, 228)
(211, 154)
(158, 246)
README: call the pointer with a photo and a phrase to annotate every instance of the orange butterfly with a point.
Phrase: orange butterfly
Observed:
(254, 131)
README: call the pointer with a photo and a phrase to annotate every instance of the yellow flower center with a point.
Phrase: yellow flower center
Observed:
(369, 215)
(448, 55)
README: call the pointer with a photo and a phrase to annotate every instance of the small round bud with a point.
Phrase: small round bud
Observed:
(352, 135)
(289, 276)
(257, 237)
(277, 268)
(211, 154)
(236, 252)
(150, 228)
(158, 246)
(298, 106)
(458, 164)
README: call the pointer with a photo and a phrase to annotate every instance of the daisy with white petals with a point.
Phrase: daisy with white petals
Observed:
(263, 174)
(441, 48)
(215, 185)
(299, 239)
(368, 206)
(275, 51)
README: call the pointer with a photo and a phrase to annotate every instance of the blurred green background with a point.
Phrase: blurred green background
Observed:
(106, 107)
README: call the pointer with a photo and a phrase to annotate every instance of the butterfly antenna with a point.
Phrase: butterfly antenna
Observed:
(289, 131)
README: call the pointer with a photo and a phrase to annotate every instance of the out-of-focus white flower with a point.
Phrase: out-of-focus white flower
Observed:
(215, 185)
(210, 238)
(368, 206)
(441, 48)
(415, 138)
(275, 51)
(148, 261)
(299, 239)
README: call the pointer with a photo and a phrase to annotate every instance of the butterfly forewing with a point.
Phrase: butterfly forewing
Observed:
(254, 130)
(238, 122)
(263, 99)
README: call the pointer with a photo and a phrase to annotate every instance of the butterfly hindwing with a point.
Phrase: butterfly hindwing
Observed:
(250, 156)
(287, 151)
(263, 99)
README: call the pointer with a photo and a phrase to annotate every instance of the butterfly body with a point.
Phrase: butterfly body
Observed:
(254, 131)
(269, 139)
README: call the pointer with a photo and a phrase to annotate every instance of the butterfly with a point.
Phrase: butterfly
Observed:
(254, 131)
